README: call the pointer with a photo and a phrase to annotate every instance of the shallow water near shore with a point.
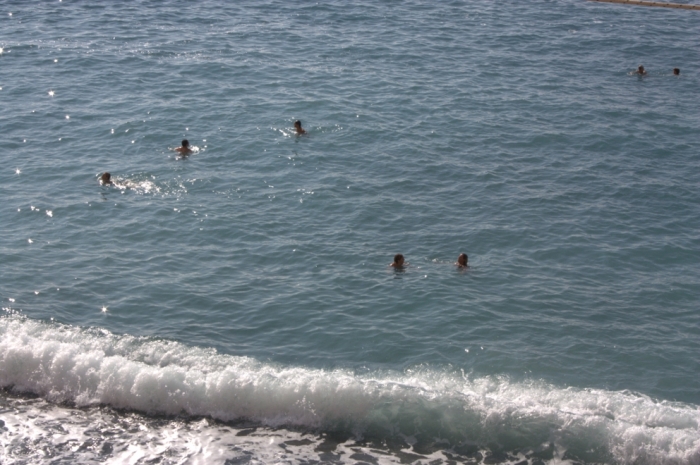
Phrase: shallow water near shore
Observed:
(235, 305)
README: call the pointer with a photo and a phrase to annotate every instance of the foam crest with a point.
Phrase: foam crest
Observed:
(425, 407)
(66, 364)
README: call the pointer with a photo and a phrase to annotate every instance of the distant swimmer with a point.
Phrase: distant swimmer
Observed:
(462, 261)
(398, 262)
(184, 149)
(297, 126)
(106, 179)
(676, 71)
(641, 71)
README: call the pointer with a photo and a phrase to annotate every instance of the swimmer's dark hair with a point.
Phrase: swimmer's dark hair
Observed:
(106, 177)
(397, 257)
(466, 259)
(185, 143)
(676, 71)
(297, 123)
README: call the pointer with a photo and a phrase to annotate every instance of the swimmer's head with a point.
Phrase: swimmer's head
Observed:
(640, 70)
(676, 71)
(398, 259)
(462, 259)
(185, 143)
(297, 124)
(106, 178)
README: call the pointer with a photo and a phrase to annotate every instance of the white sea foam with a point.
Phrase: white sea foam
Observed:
(94, 367)
(37, 432)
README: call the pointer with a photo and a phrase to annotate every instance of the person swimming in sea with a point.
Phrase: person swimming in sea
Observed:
(462, 261)
(299, 129)
(106, 179)
(398, 262)
(641, 71)
(184, 149)
(676, 71)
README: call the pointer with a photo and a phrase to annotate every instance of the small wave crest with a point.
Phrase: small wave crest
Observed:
(426, 409)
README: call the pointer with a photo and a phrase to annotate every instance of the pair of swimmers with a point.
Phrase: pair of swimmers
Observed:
(399, 261)
(642, 72)
(185, 149)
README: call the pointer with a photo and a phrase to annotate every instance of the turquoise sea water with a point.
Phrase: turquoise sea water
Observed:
(235, 306)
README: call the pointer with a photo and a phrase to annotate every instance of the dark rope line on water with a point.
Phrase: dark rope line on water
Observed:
(648, 3)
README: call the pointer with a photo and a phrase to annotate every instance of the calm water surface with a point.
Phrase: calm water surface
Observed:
(235, 306)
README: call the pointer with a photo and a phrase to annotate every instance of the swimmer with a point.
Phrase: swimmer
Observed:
(462, 261)
(297, 126)
(676, 71)
(398, 262)
(641, 71)
(184, 149)
(106, 179)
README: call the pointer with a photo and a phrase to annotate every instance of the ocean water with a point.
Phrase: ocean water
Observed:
(236, 306)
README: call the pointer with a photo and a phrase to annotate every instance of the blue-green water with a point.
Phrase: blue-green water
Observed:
(243, 291)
